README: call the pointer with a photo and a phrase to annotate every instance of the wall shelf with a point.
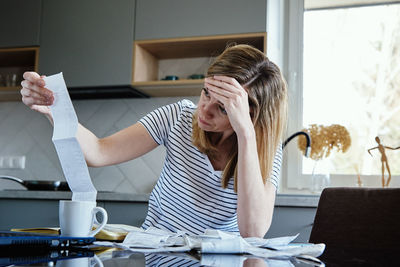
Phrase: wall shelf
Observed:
(152, 59)
(13, 63)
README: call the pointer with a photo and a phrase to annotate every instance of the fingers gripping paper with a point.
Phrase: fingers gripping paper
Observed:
(64, 138)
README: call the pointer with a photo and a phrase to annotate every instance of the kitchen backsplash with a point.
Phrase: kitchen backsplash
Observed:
(25, 132)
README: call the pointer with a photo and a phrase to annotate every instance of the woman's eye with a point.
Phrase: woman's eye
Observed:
(206, 93)
(222, 110)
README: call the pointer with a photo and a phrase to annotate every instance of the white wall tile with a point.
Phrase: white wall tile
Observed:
(106, 115)
(25, 132)
(6, 108)
(108, 179)
(139, 175)
(126, 187)
(86, 109)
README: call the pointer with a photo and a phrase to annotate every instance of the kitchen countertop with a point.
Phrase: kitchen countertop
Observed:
(282, 200)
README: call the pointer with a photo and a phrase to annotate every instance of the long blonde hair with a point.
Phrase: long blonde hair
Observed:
(267, 94)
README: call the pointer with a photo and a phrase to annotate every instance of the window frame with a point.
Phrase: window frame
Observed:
(294, 180)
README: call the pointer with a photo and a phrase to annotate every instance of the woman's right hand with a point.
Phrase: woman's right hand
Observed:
(35, 95)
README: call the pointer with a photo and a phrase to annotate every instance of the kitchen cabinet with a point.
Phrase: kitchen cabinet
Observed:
(23, 213)
(24, 209)
(28, 213)
(13, 63)
(181, 57)
(19, 23)
(180, 37)
(157, 19)
(89, 41)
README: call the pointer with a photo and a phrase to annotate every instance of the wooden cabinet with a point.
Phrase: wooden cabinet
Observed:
(287, 220)
(13, 63)
(180, 38)
(156, 19)
(89, 41)
(19, 28)
(27, 213)
(19, 23)
(182, 57)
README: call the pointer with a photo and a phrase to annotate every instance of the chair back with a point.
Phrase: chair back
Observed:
(358, 218)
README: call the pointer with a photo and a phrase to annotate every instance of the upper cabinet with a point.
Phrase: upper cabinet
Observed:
(125, 43)
(19, 23)
(89, 41)
(157, 19)
(178, 39)
(176, 66)
(13, 63)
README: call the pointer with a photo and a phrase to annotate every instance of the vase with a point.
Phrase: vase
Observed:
(320, 177)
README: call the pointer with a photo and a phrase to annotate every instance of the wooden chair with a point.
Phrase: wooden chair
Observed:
(359, 224)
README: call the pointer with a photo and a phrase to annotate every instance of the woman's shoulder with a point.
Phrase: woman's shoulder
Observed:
(186, 105)
(186, 108)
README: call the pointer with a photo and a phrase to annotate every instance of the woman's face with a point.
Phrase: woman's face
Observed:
(212, 116)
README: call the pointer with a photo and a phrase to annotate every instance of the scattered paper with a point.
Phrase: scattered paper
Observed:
(218, 248)
(228, 246)
(144, 240)
(153, 238)
(270, 242)
(64, 138)
(215, 242)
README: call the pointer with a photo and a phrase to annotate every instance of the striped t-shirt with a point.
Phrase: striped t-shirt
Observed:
(188, 195)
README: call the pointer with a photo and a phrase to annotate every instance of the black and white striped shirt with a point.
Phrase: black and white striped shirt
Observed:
(188, 195)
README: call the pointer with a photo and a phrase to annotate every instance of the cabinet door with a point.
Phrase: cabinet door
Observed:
(28, 213)
(185, 18)
(19, 23)
(89, 41)
(130, 213)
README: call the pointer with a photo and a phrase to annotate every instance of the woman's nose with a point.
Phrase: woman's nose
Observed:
(207, 110)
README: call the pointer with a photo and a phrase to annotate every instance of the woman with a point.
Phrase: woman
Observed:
(223, 157)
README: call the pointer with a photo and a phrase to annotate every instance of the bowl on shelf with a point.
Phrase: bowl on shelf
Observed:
(170, 78)
(196, 76)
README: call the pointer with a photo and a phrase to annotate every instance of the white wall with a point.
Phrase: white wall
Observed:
(25, 132)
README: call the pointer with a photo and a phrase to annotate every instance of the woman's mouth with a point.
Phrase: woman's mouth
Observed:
(203, 122)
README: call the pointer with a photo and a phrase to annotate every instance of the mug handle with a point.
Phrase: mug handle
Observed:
(96, 261)
(94, 219)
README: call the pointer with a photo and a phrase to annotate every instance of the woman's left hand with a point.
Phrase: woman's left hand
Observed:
(234, 97)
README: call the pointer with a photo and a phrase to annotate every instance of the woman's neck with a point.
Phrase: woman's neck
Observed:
(223, 139)
(223, 145)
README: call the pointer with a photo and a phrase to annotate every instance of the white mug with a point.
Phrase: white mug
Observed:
(77, 218)
(80, 262)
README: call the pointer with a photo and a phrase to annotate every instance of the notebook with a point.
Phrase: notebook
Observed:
(10, 239)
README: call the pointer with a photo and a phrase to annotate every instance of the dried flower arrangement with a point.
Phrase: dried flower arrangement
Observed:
(324, 139)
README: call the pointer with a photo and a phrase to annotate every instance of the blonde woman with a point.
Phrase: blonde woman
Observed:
(223, 155)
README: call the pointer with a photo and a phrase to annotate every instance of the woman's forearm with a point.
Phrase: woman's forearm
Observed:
(127, 144)
(255, 199)
(91, 147)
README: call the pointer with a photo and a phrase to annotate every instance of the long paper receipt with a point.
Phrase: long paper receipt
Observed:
(64, 138)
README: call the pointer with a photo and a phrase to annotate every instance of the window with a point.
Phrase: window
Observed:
(344, 68)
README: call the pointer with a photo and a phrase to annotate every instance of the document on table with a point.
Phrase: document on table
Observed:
(215, 242)
(64, 138)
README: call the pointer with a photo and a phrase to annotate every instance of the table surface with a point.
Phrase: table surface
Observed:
(120, 257)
